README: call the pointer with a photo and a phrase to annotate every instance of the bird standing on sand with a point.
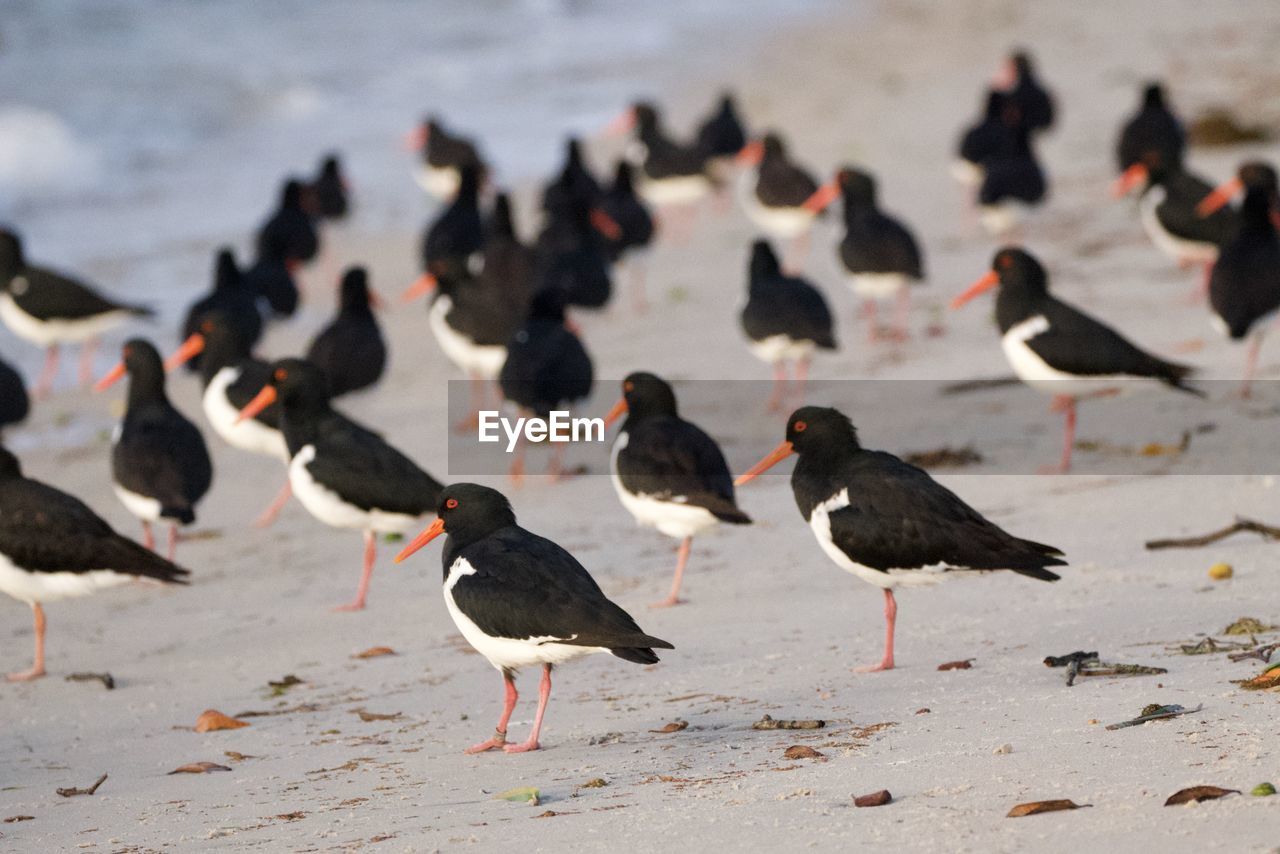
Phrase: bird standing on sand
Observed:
(330, 191)
(160, 467)
(781, 197)
(444, 156)
(350, 351)
(1013, 182)
(668, 473)
(1056, 348)
(982, 140)
(886, 521)
(786, 318)
(289, 231)
(233, 298)
(722, 134)
(635, 227)
(1023, 90)
(1154, 126)
(521, 600)
(453, 241)
(672, 176)
(50, 309)
(53, 547)
(344, 474)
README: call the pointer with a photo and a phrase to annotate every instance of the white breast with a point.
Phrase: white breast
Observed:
(441, 182)
(248, 435)
(31, 587)
(507, 653)
(820, 523)
(673, 516)
(776, 348)
(967, 172)
(1003, 217)
(1178, 248)
(681, 190)
(46, 332)
(144, 507)
(329, 507)
(477, 360)
(781, 223)
(877, 285)
(1042, 376)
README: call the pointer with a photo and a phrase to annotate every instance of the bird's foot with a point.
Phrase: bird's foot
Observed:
(26, 675)
(357, 605)
(669, 602)
(522, 747)
(1058, 469)
(266, 518)
(886, 664)
(498, 740)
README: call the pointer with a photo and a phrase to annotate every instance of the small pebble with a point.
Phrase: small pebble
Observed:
(875, 799)
(1221, 571)
(1004, 748)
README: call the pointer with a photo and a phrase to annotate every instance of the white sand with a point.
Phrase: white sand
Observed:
(773, 627)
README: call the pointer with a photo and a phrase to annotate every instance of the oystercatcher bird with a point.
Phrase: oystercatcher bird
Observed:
(879, 253)
(521, 600)
(330, 191)
(573, 257)
(985, 139)
(781, 197)
(574, 184)
(160, 467)
(289, 232)
(271, 281)
(1023, 90)
(1013, 181)
(886, 521)
(53, 547)
(1056, 348)
(50, 309)
(668, 473)
(14, 403)
(722, 134)
(344, 474)
(444, 155)
(671, 175)
(546, 368)
(506, 260)
(231, 297)
(635, 228)
(454, 240)
(1244, 288)
(1152, 127)
(786, 318)
(232, 378)
(350, 351)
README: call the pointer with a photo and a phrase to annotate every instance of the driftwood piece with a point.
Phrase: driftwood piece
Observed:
(73, 791)
(1268, 532)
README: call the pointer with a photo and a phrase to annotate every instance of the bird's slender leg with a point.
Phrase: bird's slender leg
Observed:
(499, 738)
(802, 378)
(148, 539)
(871, 312)
(1067, 404)
(637, 273)
(779, 386)
(37, 665)
(517, 464)
(890, 619)
(268, 516)
(173, 540)
(901, 311)
(544, 694)
(798, 254)
(1201, 291)
(44, 384)
(682, 558)
(370, 554)
(477, 403)
(87, 349)
(1250, 365)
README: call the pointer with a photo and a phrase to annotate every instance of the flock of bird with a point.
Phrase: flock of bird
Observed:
(500, 311)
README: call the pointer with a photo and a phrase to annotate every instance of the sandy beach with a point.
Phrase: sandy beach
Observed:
(367, 752)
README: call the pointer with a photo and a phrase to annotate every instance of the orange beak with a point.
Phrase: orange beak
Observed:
(620, 125)
(433, 530)
(112, 377)
(1130, 178)
(619, 410)
(416, 139)
(264, 398)
(605, 224)
(823, 196)
(423, 285)
(986, 283)
(750, 154)
(774, 457)
(192, 347)
(1221, 194)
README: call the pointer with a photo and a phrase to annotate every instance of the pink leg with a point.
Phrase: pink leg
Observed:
(901, 312)
(1250, 365)
(37, 666)
(1068, 404)
(48, 373)
(870, 311)
(269, 515)
(802, 379)
(508, 706)
(148, 539)
(798, 253)
(1201, 291)
(87, 349)
(636, 272)
(370, 554)
(544, 694)
(890, 619)
(173, 540)
(477, 403)
(673, 598)
(779, 387)
(517, 464)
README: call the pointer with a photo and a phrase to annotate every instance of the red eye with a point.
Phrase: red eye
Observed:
(800, 426)
(628, 387)
(1005, 262)
(451, 503)
(281, 373)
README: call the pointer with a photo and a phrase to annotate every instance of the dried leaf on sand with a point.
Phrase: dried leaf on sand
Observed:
(212, 720)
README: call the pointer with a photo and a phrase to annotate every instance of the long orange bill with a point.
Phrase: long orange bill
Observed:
(423, 285)
(416, 139)
(605, 224)
(986, 283)
(1221, 194)
(433, 530)
(620, 125)
(823, 196)
(112, 377)
(750, 154)
(192, 347)
(774, 457)
(264, 398)
(619, 410)
(1130, 178)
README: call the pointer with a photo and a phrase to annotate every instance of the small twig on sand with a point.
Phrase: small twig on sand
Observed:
(767, 722)
(105, 678)
(1082, 663)
(1163, 713)
(1268, 532)
(71, 792)
(1262, 653)
(979, 385)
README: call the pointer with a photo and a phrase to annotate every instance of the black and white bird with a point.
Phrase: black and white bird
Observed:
(629, 243)
(785, 319)
(14, 402)
(987, 137)
(350, 351)
(671, 173)
(546, 368)
(1023, 91)
(1058, 349)
(453, 240)
(781, 197)
(50, 309)
(232, 378)
(886, 521)
(574, 184)
(346, 475)
(722, 134)
(1013, 181)
(521, 600)
(668, 473)
(53, 547)
(879, 253)
(573, 256)
(160, 467)
(290, 231)
(330, 190)
(1153, 126)
(271, 280)
(1244, 287)
(444, 156)
(231, 297)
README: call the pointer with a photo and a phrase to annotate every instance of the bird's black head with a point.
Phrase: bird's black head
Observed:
(354, 296)
(223, 344)
(226, 273)
(623, 178)
(820, 430)
(1022, 65)
(1158, 164)
(331, 167)
(501, 221)
(727, 102)
(857, 187)
(646, 116)
(573, 154)
(994, 108)
(647, 395)
(1153, 96)
(549, 304)
(1255, 173)
(1019, 272)
(764, 263)
(291, 194)
(774, 146)
(11, 260)
(9, 466)
(145, 368)
(470, 512)
(299, 385)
